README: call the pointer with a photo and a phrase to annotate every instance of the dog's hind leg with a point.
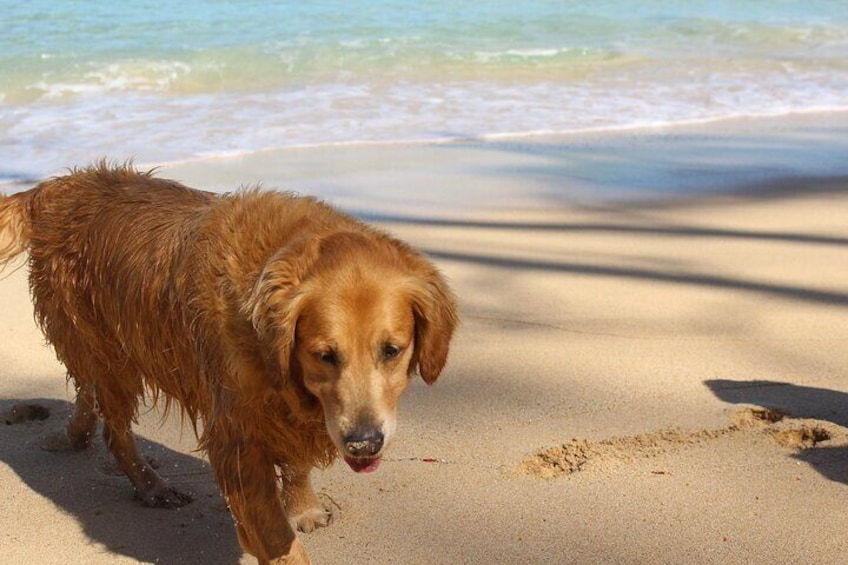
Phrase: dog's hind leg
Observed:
(83, 423)
(80, 429)
(150, 488)
(117, 411)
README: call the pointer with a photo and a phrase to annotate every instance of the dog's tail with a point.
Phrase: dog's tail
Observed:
(15, 226)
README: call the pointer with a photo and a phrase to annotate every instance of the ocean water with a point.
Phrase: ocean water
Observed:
(164, 81)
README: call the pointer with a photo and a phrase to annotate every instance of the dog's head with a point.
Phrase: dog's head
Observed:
(353, 316)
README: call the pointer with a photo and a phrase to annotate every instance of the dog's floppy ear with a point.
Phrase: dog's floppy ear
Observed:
(434, 308)
(277, 299)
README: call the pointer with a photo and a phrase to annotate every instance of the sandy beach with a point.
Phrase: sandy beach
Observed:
(652, 364)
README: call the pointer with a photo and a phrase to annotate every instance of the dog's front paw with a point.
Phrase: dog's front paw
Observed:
(297, 556)
(312, 518)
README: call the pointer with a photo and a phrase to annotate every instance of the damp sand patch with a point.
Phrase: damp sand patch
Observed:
(578, 455)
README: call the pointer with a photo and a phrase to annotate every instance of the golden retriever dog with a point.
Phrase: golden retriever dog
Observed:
(285, 331)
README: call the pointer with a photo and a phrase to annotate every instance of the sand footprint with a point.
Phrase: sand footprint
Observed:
(22, 413)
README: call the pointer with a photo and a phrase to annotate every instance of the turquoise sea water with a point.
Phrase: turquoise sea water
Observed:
(165, 81)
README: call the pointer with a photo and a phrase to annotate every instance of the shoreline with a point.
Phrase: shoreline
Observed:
(457, 179)
(813, 116)
(824, 119)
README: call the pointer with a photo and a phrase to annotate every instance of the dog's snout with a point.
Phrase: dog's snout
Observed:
(364, 443)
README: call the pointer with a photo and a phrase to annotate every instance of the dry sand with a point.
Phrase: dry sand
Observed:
(652, 367)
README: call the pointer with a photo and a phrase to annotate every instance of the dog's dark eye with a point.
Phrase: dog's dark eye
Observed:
(329, 358)
(390, 351)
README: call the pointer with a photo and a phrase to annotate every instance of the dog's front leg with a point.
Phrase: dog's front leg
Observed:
(249, 483)
(302, 507)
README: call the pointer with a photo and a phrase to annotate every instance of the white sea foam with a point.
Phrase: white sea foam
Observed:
(156, 128)
(126, 76)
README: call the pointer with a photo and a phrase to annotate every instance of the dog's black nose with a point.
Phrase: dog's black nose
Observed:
(363, 443)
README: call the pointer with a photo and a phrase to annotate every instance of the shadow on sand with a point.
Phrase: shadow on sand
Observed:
(87, 486)
(799, 402)
(786, 291)
(607, 227)
(624, 220)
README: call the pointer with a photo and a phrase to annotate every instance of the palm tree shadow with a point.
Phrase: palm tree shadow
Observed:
(799, 402)
(87, 486)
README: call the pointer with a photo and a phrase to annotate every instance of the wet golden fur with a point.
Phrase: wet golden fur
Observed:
(227, 306)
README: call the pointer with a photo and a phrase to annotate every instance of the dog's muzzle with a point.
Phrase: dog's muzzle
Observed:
(362, 448)
(363, 443)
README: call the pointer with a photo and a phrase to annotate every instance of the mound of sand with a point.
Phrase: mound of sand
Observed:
(582, 454)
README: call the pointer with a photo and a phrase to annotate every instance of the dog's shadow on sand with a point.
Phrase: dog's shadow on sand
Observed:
(88, 486)
(799, 402)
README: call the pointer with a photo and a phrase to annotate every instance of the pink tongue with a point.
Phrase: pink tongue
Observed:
(363, 465)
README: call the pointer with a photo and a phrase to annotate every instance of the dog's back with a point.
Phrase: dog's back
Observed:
(105, 247)
(85, 215)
